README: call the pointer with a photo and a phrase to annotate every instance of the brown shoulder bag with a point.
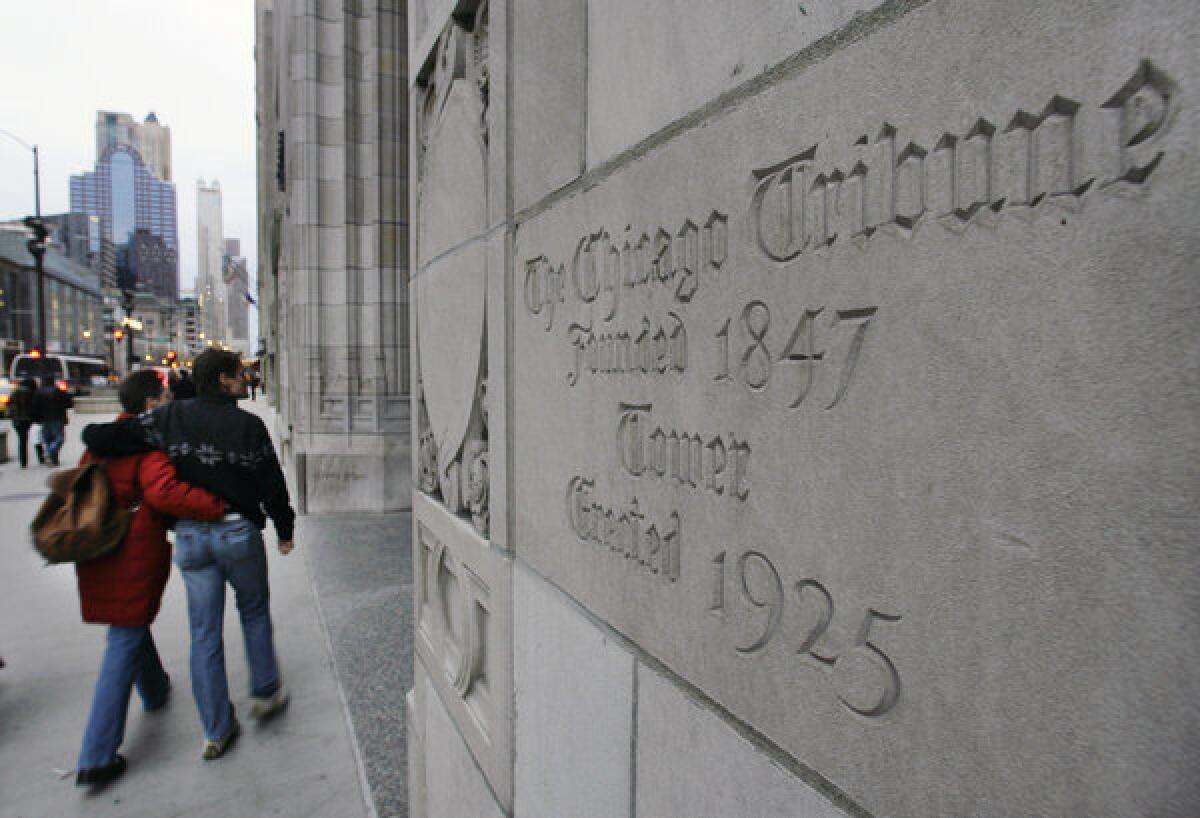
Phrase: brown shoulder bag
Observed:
(79, 520)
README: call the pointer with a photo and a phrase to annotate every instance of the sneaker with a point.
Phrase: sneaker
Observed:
(269, 706)
(99, 776)
(216, 749)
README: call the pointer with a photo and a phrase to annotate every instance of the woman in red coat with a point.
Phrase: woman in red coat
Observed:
(123, 589)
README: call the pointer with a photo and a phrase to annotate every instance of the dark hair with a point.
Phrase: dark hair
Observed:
(29, 383)
(49, 382)
(210, 365)
(137, 388)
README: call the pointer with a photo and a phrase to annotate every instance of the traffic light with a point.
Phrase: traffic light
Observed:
(118, 334)
(37, 244)
(171, 356)
(35, 353)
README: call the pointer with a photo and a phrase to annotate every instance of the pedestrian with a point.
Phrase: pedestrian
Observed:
(254, 384)
(226, 450)
(123, 589)
(183, 388)
(50, 407)
(23, 412)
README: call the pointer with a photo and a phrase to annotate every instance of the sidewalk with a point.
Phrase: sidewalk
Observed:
(361, 569)
(300, 764)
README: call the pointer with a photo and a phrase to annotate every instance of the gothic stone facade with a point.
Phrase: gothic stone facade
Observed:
(333, 204)
(806, 407)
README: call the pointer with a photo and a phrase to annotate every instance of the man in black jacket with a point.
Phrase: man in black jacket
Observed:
(183, 388)
(216, 445)
(50, 406)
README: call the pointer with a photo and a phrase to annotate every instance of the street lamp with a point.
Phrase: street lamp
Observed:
(37, 245)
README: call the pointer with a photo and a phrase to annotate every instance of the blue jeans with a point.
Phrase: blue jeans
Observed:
(53, 436)
(208, 556)
(129, 659)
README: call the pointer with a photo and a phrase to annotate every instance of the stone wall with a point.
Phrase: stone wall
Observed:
(807, 408)
(333, 228)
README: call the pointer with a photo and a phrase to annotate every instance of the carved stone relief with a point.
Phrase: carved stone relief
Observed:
(463, 622)
(451, 279)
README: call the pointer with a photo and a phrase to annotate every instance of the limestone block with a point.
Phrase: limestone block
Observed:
(329, 69)
(455, 787)
(331, 247)
(650, 65)
(367, 246)
(497, 66)
(452, 272)
(691, 762)
(334, 317)
(866, 404)
(373, 475)
(496, 387)
(330, 130)
(463, 590)
(574, 694)
(366, 159)
(549, 65)
(332, 163)
(331, 38)
(332, 203)
(331, 98)
(414, 719)
(450, 324)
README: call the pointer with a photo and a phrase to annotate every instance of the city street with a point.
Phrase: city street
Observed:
(302, 763)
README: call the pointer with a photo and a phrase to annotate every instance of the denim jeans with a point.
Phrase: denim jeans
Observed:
(53, 436)
(208, 556)
(22, 429)
(129, 659)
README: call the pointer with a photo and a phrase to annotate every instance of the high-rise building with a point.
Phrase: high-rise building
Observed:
(112, 129)
(188, 329)
(154, 143)
(210, 243)
(151, 139)
(126, 198)
(236, 280)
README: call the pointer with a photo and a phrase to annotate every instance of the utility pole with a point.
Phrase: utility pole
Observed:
(39, 257)
(37, 244)
(127, 301)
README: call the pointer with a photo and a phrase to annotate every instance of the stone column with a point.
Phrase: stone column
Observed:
(334, 237)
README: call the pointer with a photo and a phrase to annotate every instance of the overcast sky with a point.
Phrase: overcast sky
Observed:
(189, 61)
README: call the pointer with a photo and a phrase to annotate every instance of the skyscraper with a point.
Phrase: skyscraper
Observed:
(127, 198)
(151, 139)
(236, 279)
(210, 243)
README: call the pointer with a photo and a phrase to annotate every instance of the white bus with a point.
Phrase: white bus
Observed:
(76, 374)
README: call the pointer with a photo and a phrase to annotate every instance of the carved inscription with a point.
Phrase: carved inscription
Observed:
(968, 177)
(753, 362)
(625, 532)
(651, 349)
(607, 302)
(866, 679)
(714, 464)
(604, 266)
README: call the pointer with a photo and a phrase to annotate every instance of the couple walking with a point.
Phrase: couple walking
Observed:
(46, 406)
(212, 466)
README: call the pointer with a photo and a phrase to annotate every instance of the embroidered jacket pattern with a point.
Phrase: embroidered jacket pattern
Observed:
(213, 444)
